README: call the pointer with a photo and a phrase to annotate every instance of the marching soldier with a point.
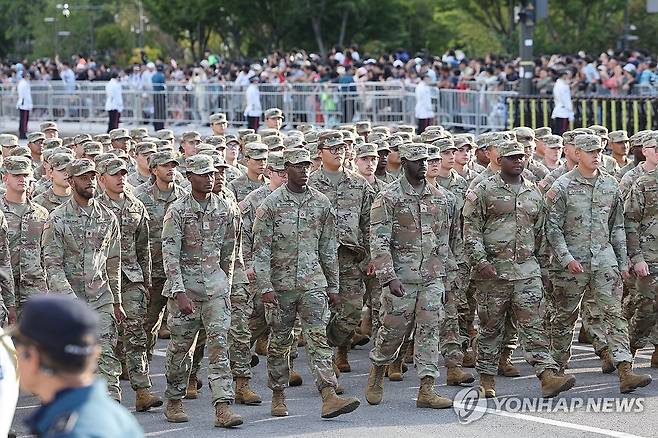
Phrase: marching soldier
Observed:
(218, 123)
(142, 173)
(256, 161)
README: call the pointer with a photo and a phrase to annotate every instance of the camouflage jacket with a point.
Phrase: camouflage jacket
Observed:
(199, 247)
(49, 200)
(6, 283)
(232, 173)
(135, 250)
(505, 228)
(82, 253)
(248, 208)
(489, 172)
(24, 235)
(629, 179)
(387, 178)
(156, 204)
(410, 233)
(549, 179)
(351, 198)
(242, 186)
(239, 270)
(610, 165)
(136, 179)
(586, 222)
(295, 244)
(624, 170)
(641, 220)
(538, 170)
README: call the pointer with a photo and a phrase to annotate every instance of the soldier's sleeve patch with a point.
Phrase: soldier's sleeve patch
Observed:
(551, 194)
(471, 196)
(542, 184)
(260, 212)
(243, 206)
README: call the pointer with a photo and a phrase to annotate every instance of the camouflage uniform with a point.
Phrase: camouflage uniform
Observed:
(538, 170)
(624, 170)
(410, 235)
(156, 203)
(641, 220)
(294, 255)
(49, 200)
(136, 179)
(242, 186)
(198, 250)
(82, 257)
(135, 279)
(505, 228)
(351, 198)
(585, 223)
(8, 296)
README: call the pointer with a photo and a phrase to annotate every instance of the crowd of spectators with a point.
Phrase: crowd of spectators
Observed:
(610, 73)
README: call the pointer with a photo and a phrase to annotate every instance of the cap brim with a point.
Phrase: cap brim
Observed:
(115, 171)
(86, 171)
(513, 154)
(262, 156)
(120, 138)
(299, 162)
(417, 158)
(203, 171)
(18, 172)
(368, 155)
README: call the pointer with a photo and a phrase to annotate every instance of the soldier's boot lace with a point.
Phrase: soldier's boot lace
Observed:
(279, 408)
(375, 384)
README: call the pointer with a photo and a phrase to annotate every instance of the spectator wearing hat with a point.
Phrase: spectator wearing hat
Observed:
(57, 351)
(563, 107)
(24, 103)
(113, 101)
(253, 109)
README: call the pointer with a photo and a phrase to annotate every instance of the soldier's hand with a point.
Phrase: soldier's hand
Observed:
(185, 305)
(641, 269)
(488, 271)
(575, 267)
(334, 299)
(396, 288)
(371, 270)
(251, 274)
(119, 313)
(11, 315)
(269, 298)
(625, 274)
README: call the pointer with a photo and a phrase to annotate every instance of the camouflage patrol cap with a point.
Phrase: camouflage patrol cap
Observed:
(217, 157)
(92, 148)
(542, 132)
(348, 127)
(48, 126)
(218, 141)
(200, 164)
(599, 130)
(433, 153)
(244, 131)
(266, 132)
(524, 134)
(484, 140)
(509, 148)
(255, 151)
(636, 139)
(190, 136)
(395, 142)
(305, 127)
(445, 144)
(217, 118)
(569, 137)
(382, 130)
(8, 140)
(294, 132)
(462, 140)
(80, 167)
(330, 139)
(434, 128)
(275, 161)
(139, 133)
(251, 138)
(311, 136)
(348, 135)
(618, 136)
(296, 156)
(432, 136)
(588, 142)
(413, 151)
(165, 134)
(102, 157)
(409, 129)
(231, 138)
(382, 145)
(293, 142)
(120, 153)
(273, 113)
(112, 166)
(366, 150)
(405, 136)
(553, 141)
(359, 140)
(585, 131)
(363, 127)
(82, 139)
(33, 137)
(103, 139)
(164, 145)
(273, 142)
(52, 143)
(375, 136)
(119, 134)
(145, 148)
(312, 149)
(17, 165)
(21, 151)
(649, 140)
(162, 157)
(204, 147)
(58, 150)
(68, 142)
(60, 161)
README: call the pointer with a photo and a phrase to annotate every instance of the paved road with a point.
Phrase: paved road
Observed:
(397, 415)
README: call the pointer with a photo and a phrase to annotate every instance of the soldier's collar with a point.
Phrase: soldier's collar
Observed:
(408, 188)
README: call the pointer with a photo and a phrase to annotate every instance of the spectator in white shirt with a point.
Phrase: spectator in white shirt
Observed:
(253, 109)
(424, 110)
(24, 103)
(113, 101)
(563, 107)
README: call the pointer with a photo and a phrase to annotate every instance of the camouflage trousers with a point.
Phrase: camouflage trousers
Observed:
(213, 315)
(418, 311)
(645, 316)
(523, 299)
(239, 338)
(510, 332)
(199, 351)
(347, 315)
(258, 324)
(453, 333)
(154, 313)
(135, 303)
(109, 366)
(313, 310)
(603, 287)
(373, 298)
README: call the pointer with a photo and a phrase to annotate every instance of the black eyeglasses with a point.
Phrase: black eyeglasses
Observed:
(335, 149)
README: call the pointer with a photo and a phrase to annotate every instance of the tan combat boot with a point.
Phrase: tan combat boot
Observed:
(505, 366)
(654, 357)
(333, 405)
(341, 360)
(279, 408)
(145, 400)
(583, 336)
(409, 354)
(607, 365)
(164, 332)
(244, 395)
(375, 384)
(224, 417)
(261, 345)
(175, 413)
(192, 391)
(294, 379)
(457, 376)
(395, 370)
(427, 398)
(552, 384)
(359, 340)
(487, 385)
(628, 380)
(469, 359)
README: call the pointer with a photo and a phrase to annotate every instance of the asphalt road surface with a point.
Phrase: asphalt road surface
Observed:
(397, 415)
